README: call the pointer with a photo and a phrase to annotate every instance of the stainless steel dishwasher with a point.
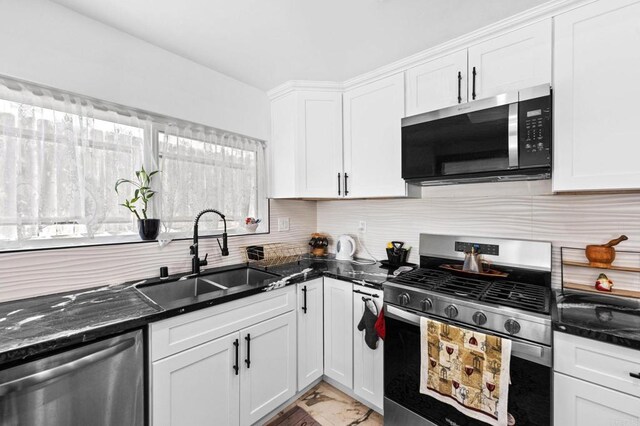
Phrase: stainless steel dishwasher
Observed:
(99, 384)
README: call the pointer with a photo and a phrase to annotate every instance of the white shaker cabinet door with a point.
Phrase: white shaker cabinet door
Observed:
(596, 63)
(579, 403)
(372, 139)
(197, 387)
(510, 62)
(437, 84)
(368, 368)
(338, 334)
(310, 332)
(268, 367)
(319, 144)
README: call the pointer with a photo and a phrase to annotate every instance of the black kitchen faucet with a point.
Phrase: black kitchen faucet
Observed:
(196, 263)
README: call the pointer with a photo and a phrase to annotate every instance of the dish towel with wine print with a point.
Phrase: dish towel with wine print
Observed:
(465, 369)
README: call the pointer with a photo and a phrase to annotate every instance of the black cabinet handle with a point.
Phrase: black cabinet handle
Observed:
(248, 360)
(459, 87)
(346, 191)
(338, 183)
(473, 92)
(236, 367)
(635, 375)
(366, 294)
(304, 299)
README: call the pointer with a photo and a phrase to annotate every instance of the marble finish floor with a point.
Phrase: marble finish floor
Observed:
(330, 407)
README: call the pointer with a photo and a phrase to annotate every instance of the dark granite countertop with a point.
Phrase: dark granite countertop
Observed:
(601, 317)
(32, 327)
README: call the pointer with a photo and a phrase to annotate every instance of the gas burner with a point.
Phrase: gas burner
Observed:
(423, 278)
(519, 295)
(463, 287)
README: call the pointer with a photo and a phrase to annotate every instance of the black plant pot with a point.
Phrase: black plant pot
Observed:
(148, 228)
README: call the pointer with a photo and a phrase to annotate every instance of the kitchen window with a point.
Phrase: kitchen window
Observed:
(61, 154)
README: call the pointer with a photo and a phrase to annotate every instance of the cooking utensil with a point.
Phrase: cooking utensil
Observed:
(603, 255)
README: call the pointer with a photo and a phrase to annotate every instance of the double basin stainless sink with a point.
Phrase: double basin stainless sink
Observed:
(171, 292)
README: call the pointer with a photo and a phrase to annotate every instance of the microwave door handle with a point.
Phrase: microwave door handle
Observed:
(513, 136)
(61, 370)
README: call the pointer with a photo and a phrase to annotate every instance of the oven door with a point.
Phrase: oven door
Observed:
(529, 391)
(465, 141)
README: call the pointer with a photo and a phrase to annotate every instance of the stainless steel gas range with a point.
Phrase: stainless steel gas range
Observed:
(510, 298)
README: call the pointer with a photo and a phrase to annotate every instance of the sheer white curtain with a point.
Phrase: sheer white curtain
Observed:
(60, 156)
(207, 168)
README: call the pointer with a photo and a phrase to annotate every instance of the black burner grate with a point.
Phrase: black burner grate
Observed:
(519, 295)
(424, 278)
(463, 287)
(525, 296)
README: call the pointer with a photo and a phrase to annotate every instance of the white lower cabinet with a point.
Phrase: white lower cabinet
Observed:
(338, 334)
(235, 379)
(594, 383)
(368, 369)
(310, 332)
(268, 373)
(198, 386)
(580, 403)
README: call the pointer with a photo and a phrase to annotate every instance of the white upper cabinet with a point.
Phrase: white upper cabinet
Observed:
(512, 61)
(596, 62)
(306, 144)
(372, 139)
(437, 84)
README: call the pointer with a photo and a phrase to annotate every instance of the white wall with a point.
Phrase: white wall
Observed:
(565, 220)
(49, 44)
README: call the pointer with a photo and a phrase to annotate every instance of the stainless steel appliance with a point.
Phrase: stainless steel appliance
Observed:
(99, 384)
(507, 137)
(515, 307)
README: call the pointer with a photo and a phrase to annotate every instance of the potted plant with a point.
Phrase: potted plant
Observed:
(147, 228)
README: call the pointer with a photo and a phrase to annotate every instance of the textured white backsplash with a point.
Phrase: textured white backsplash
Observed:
(27, 274)
(565, 220)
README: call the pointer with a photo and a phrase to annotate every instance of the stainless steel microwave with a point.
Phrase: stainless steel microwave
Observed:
(507, 137)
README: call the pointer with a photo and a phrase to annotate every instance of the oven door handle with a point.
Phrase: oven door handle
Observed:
(529, 351)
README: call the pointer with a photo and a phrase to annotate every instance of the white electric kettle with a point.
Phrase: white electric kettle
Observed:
(345, 248)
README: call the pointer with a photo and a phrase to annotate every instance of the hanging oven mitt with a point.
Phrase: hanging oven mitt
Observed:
(368, 323)
(380, 327)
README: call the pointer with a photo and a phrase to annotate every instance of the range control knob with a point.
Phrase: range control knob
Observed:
(404, 299)
(479, 318)
(512, 326)
(426, 304)
(451, 311)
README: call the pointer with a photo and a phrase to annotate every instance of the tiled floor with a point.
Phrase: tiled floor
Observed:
(330, 407)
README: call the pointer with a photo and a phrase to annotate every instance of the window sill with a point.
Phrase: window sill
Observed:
(134, 240)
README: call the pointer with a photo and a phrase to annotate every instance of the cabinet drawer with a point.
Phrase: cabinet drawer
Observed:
(597, 362)
(185, 331)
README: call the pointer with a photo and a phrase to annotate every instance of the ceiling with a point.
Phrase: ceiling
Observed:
(267, 42)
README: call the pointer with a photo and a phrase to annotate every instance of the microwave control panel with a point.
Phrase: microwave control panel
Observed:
(534, 132)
